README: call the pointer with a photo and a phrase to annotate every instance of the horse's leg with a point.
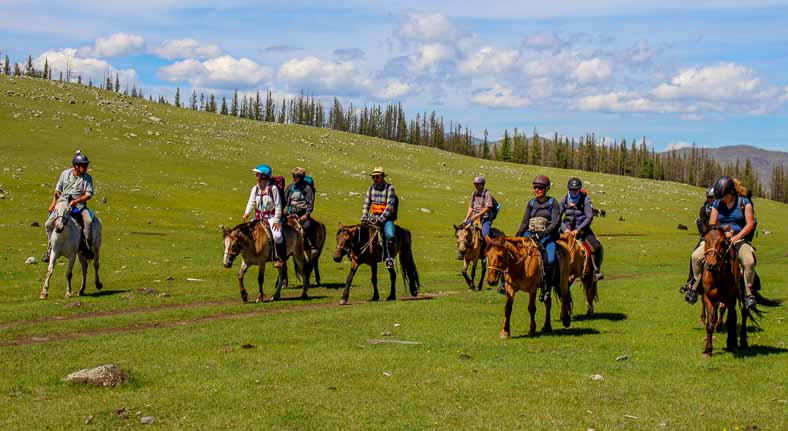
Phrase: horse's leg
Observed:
(393, 278)
(468, 280)
(484, 273)
(743, 329)
(589, 285)
(718, 327)
(50, 269)
(548, 304)
(374, 279)
(302, 265)
(241, 272)
(99, 284)
(69, 274)
(532, 311)
(566, 302)
(473, 274)
(711, 313)
(260, 280)
(83, 264)
(346, 292)
(730, 325)
(314, 263)
(507, 313)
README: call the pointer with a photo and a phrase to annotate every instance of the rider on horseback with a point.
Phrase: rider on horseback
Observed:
(541, 222)
(577, 215)
(731, 207)
(480, 208)
(380, 207)
(300, 204)
(76, 185)
(265, 200)
(702, 221)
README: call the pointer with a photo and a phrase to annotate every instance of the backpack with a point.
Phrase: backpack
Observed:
(750, 236)
(493, 213)
(311, 181)
(279, 182)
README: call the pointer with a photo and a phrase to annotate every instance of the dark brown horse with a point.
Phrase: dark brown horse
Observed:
(519, 261)
(312, 253)
(722, 284)
(470, 245)
(580, 266)
(252, 242)
(362, 246)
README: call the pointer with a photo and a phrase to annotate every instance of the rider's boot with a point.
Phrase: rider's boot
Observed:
(280, 252)
(389, 249)
(598, 264)
(749, 300)
(545, 288)
(690, 291)
(45, 258)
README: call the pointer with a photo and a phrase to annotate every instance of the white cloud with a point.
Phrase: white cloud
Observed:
(394, 89)
(487, 60)
(428, 56)
(220, 72)
(678, 145)
(723, 82)
(117, 44)
(65, 60)
(591, 70)
(427, 27)
(543, 42)
(499, 97)
(627, 102)
(186, 48)
(313, 74)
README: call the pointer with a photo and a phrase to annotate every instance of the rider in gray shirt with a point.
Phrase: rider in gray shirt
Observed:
(76, 185)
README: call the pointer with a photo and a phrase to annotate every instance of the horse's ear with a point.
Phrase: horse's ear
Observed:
(340, 225)
(224, 229)
(456, 228)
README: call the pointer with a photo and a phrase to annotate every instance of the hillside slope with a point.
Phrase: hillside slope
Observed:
(762, 160)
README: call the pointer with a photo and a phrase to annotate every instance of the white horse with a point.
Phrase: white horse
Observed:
(64, 241)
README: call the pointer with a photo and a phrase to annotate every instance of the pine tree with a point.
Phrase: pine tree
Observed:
(506, 147)
(117, 83)
(485, 147)
(18, 71)
(6, 66)
(536, 151)
(29, 70)
(177, 97)
(46, 68)
(234, 105)
(224, 106)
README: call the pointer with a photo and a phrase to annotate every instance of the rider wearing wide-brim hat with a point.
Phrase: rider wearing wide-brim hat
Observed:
(265, 204)
(380, 207)
(76, 185)
(733, 208)
(300, 202)
(577, 215)
(541, 222)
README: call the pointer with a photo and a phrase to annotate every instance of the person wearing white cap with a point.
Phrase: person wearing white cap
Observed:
(481, 208)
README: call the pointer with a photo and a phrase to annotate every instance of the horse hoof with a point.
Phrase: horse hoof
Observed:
(343, 302)
(259, 299)
(275, 298)
(81, 292)
(391, 298)
(244, 296)
(68, 295)
(304, 296)
(547, 329)
(504, 335)
(99, 286)
(374, 299)
(707, 354)
(43, 295)
(743, 345)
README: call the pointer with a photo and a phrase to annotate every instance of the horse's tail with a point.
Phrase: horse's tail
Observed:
(410, 274)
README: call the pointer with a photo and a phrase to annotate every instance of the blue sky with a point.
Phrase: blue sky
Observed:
(706, 71)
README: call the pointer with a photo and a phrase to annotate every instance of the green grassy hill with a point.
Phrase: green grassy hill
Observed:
(170, 177)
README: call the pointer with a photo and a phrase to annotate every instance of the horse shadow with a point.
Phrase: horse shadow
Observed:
(332, 285)
(298, 298)
(568, 332)
(757, 350)
(613, 317)
(105, 292)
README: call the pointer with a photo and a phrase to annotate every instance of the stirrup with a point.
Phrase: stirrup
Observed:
(278, 263)
(389, 262)
(598, 276)
(750, 302)
(544, 295)
(690, 295)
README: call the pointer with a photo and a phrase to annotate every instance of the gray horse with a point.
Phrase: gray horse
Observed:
(64, 241)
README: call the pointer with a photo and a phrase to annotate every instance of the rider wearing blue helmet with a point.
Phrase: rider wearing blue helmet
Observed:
(265, 201)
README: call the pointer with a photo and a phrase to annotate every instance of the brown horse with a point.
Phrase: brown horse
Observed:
(470, 245)
(580, 266)
(361, 244)
(312, 253)
(252, 242)
(519, 261)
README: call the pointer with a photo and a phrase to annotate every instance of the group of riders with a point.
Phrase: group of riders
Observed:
(728, 204)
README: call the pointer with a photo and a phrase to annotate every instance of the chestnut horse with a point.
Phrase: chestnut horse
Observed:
(312, 254)
(361, 245)
(470, 245)
(519, 262)
(580, 266)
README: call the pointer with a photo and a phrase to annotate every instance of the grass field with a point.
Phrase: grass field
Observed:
(170, 183)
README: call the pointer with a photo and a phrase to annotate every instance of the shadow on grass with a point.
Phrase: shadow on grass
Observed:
(754, 351)
(105, 292)
(570, 332)
(332, 285)
(298, 298)
(613, 317)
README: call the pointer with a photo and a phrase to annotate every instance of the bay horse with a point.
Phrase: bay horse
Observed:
(64, 241)
(360, 243)
(254, 244)
(470, 245)
(722, 284)
(519, 261)
(580, 266)
(312, 253)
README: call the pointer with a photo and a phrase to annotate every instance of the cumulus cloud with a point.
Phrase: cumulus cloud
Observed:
(592, 70)
(487, 60)
(221, 72)
(627, 102)
(186, 48)
(324, 78)
(115, 45)
(68, 59)
(725, 81)
(428, 56)
(433, 27)
(498, 97)
(349, 54)
(678, 145)
(393, 89)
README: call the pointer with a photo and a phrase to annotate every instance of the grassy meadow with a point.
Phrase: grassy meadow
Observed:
(167, 178)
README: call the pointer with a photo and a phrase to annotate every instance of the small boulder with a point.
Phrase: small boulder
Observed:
(31, 261)
(105, 375)
(35, 224)
(147, 420)
(104, 200)
(682, 227)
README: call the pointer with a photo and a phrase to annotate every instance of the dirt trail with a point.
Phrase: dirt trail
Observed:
(182, 322)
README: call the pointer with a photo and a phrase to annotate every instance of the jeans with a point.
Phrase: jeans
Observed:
(549, 245)
(389, 230)
(486, 227)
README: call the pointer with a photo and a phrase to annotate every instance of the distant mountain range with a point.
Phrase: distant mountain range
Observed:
(762, 160)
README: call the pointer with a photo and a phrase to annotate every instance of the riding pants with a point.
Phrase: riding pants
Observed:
(548, 243)
(588, 235)
(278, 234)
(744, 253)
(87, 225)
(486, 228)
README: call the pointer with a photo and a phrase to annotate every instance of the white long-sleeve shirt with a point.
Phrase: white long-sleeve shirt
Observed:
(266, 200)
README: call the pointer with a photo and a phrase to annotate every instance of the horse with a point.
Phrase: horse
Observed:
(519, 262)
(253, 243)
(580, 265)
(361, 245)
(722, 284)
(64, 241)
(470, 245)
(313, 253)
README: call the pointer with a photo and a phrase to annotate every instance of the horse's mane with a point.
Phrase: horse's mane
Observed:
(246, 226)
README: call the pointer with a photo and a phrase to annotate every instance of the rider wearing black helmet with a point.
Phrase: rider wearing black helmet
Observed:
(76, 185)
(577, 215)
(702, 221)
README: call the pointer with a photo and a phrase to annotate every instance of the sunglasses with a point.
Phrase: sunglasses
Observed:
(539, 187)
(374, 177)
(574, 190)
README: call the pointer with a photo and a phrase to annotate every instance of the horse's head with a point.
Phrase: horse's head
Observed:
(497, 259)
(61, 211)
(234, 241)
(464, 236)
(716, 246)
(345, 237)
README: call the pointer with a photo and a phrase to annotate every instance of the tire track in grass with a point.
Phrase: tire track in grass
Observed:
(185, 322)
